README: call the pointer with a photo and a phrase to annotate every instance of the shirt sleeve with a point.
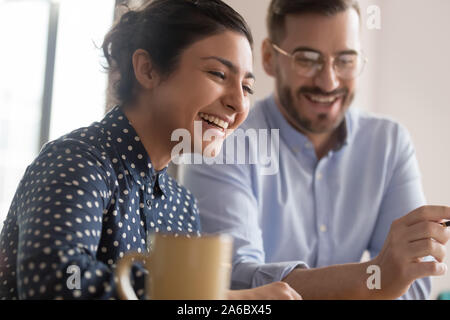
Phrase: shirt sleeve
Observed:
(403, 194)
(61, 201)
(235, 212)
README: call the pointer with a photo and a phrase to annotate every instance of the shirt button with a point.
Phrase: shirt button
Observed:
(319, 176)
(149, 204)
(308, 145)
(323, 228)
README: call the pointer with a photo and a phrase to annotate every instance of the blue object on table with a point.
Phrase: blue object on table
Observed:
(444, 295)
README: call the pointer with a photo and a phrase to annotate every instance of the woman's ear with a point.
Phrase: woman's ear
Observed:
(144, 70)
(268, 57)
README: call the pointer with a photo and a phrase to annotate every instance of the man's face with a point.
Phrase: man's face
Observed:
(316, 104)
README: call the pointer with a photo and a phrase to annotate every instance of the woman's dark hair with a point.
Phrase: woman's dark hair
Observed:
(164, 28)
(278, 9)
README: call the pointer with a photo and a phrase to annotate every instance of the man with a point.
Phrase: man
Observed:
(347, 181)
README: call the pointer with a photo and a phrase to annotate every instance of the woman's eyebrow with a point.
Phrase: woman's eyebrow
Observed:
(229, 65)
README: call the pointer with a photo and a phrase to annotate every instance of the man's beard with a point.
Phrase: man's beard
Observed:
(320, 124)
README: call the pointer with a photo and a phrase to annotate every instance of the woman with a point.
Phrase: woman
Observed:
(97, 192)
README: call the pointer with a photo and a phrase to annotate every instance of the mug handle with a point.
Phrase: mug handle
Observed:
(124, 288)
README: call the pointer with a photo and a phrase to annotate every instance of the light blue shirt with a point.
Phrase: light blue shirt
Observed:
(310, 213)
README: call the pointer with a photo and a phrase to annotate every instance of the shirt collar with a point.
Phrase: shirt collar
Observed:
(131, 152)
(294, 138)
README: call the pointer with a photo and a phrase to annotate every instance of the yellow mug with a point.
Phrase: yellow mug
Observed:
(181, 268)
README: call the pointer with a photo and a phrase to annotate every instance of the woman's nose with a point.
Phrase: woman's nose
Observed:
(236, 100)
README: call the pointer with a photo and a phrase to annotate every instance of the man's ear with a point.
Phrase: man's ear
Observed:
(144, 70)
(268, 57)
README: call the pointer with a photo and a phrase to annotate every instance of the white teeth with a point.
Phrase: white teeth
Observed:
(322, 99)
(223, 124)
(213, 119)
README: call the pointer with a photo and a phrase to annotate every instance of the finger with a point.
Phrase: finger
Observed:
(296, 295)
(426, 247)
(428, 229)
(293, 294)
(287, 291)
(427, 269)
(427, 213)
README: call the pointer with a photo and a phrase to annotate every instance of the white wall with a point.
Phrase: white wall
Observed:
(406, 79)
(412, 86)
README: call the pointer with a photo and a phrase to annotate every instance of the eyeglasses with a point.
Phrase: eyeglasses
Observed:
(309, 63)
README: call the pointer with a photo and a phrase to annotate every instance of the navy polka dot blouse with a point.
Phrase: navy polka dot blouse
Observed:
(87, 199)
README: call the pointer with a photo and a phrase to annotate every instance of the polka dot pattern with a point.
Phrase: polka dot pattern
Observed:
(86, 200)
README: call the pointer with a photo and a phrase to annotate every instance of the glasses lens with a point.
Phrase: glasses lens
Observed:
(306, 63)
(349, 66)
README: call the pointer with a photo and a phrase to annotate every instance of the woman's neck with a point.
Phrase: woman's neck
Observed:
(151, 132)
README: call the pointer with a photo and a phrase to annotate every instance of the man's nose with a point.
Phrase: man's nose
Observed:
(327, 79)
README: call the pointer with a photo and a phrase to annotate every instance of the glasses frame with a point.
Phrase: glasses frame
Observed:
(291, 56)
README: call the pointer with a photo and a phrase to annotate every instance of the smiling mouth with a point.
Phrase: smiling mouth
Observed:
(322, 100)
(214, 121)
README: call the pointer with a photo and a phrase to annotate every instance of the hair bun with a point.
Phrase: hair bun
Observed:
(130, 17)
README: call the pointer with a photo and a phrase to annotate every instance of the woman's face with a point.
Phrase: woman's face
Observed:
(209, 92)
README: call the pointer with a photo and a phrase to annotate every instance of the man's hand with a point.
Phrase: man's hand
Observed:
(272, 291)
(412, 237)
